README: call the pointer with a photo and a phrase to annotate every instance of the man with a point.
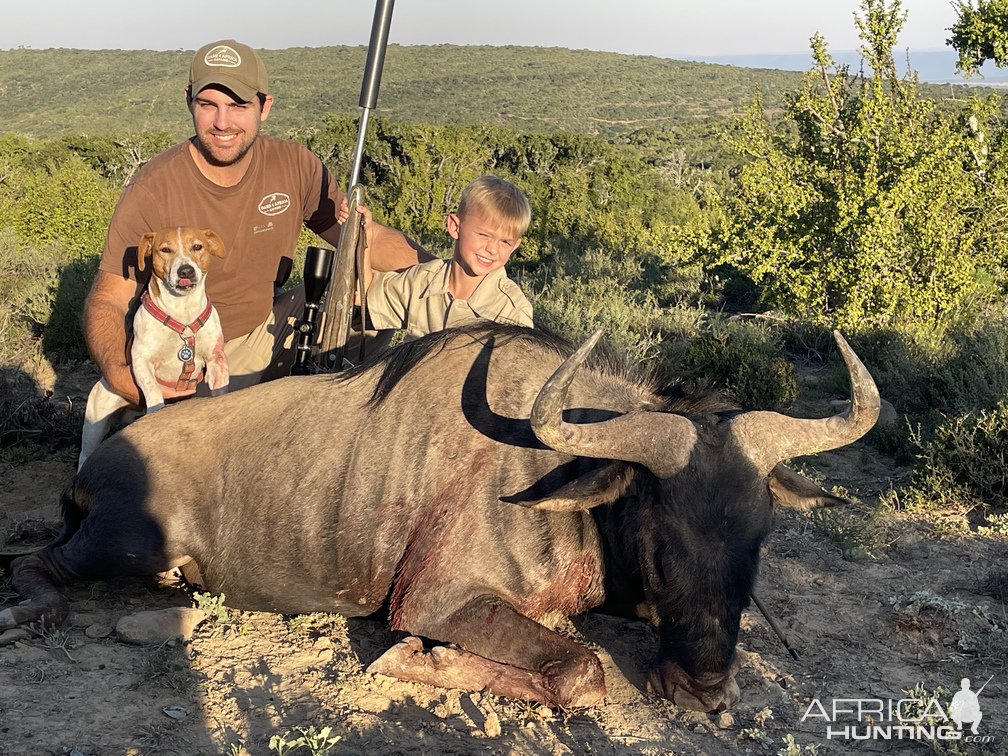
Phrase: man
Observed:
(255, 192)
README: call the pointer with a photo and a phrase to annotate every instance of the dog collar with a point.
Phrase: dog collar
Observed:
(187, 354)
(165, 319)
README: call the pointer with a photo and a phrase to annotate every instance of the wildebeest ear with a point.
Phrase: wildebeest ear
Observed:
(789, 489)
(601, 486)
(144, 249)
(215, 243)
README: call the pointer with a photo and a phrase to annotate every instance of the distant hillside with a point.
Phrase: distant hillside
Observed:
(52, 93)
(47, 93)
(932, 66)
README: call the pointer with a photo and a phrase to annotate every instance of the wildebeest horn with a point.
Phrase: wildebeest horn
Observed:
(769, 437)
(660, 442)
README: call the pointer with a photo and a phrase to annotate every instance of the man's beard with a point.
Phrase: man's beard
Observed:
(208, 155)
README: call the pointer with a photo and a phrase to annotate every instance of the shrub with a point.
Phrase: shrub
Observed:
(870, 206)
(62, 201)
(972, 448)
(42, 291)
(930, 378)
(744, 359)
(646, 308)
(961, 467)
(29, 278)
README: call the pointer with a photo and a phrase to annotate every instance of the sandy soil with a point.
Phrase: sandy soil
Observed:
(872, 610)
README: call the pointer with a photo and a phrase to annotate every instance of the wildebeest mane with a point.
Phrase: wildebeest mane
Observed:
(394, 364)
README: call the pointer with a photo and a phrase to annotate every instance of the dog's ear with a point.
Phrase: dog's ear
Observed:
(215, 243)
(144, 249)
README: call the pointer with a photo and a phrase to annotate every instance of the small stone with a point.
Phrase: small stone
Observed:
(14, 634)
(160, 625)
(98, 630)
(492, 726)
(725, 720)
(544, 712)
(175, 712)
(856, 554)
(451, 706)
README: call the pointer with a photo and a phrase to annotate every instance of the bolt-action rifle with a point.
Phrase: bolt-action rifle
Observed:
(330, 277)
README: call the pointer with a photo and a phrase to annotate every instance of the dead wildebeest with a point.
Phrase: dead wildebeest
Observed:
(471, 491)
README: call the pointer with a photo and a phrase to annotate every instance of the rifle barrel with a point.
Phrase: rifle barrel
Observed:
(338, 300)
(371, 81)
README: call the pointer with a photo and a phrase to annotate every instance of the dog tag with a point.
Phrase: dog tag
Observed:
(185, 354)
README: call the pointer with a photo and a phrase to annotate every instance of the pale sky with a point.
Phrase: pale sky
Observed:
(665, 28)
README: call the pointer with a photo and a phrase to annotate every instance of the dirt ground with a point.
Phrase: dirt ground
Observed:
(873, 609)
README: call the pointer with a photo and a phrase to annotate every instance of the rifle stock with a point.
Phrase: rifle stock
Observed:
(339, 297)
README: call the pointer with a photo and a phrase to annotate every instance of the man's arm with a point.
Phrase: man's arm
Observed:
(105, 331)
(390, 249)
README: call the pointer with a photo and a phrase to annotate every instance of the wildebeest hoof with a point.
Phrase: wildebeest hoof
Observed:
(576, 683)
(394, 659)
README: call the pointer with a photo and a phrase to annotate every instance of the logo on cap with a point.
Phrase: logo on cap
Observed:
(274, 204)
(222, 55)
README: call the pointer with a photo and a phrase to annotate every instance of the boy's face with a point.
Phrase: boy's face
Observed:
(481, 245)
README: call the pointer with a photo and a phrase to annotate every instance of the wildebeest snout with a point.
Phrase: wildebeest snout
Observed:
(707, 692)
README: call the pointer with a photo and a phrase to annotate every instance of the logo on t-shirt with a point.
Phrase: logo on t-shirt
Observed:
(222, 55)
(274, 204)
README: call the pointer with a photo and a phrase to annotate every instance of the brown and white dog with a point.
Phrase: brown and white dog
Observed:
(176, 331)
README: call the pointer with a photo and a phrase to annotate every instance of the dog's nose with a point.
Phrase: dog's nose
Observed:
(186, 271)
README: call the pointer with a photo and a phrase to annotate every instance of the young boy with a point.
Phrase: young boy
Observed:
(492, 217)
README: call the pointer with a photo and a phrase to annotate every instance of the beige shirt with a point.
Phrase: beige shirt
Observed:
(418, 300)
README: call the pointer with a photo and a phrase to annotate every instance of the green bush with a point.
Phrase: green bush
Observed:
(585, 192)
(929, 378)
(118, 158)
(29, 279)
(63, 200)
(42, 291)
(960, 469)
(870, 206)
(972, 449)
(744, 359)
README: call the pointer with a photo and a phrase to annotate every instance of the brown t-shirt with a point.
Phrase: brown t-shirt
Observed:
(259, 220)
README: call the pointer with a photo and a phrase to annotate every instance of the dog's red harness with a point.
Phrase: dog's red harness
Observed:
(187, 354)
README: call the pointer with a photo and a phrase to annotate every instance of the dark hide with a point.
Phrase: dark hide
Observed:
(406, 483)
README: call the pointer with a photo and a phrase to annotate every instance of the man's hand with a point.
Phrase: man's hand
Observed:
(367, 274)
(369, 224)
(344, 212)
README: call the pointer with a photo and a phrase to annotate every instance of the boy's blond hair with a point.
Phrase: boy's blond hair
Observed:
(499, 200)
